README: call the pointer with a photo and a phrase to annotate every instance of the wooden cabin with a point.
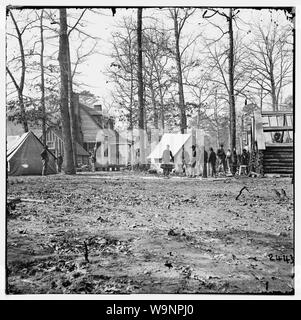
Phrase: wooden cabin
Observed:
(273, 139)
(96, 134)
(54, 141)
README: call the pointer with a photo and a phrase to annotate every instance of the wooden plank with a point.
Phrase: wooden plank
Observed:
(271, 144)
(278, 168)
(269, 125)
(272, 162)
(279, 150)
(259, 135)
(278, 165)
(280, 128)
(25, 200)
(279, 171)
(271, 157)
(275, 113)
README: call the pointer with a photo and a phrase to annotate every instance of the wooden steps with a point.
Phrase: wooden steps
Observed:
(278, 159)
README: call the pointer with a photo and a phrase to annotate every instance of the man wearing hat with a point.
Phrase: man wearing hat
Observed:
(45, 158)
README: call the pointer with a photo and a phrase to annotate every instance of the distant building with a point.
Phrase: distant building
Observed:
(94, 133)
(54, 141)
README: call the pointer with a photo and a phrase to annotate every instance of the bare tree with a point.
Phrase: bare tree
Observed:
(157, 69)
(229, 84)
(140, 89)
(64, 105)
(123, 70)
(201, 88)
(271, 60)
(179, 22)
(73, 120)
(20, 86)
(42, 78)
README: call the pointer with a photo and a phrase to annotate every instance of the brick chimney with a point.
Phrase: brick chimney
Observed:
(98, 107)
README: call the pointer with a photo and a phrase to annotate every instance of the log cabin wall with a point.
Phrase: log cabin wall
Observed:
(278, 155)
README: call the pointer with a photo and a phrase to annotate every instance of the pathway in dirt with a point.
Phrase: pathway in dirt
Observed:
(146, 234)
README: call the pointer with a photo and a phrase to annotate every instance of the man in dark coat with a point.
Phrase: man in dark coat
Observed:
(45, 159)
(193, 161)
(234, 161)
(205, 163)
(59, 163)
(222, 157)
(212, 161)
(245, 157)
(92, 160)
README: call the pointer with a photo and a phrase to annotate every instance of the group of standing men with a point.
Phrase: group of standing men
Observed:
(222, 161)
(227, 162)
(219, 162)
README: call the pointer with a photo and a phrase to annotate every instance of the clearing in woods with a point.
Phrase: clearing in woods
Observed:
(122, 233)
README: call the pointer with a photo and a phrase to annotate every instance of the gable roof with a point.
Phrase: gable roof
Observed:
(98, 117)
(175, 141)
(93, 114)
(91, 111)
(80, 151)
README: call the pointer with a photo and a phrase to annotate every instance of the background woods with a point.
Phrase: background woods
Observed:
(169, 69)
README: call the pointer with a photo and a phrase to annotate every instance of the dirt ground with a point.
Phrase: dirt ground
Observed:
(129, 233)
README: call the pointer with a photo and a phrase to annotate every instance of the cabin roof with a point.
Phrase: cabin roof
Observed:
(79, 149)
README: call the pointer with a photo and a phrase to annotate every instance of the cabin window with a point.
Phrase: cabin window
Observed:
(89, 146)
(50, 144)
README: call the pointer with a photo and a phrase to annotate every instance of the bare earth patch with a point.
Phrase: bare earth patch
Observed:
(145, 234)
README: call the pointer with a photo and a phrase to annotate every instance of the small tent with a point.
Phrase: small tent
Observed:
(176, 142)
(23, 156)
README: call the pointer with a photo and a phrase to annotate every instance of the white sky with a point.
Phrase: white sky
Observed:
(102, 25)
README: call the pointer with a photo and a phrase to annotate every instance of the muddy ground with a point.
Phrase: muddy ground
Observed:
(129, 233)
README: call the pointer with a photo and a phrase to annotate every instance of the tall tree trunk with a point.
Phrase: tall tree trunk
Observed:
(42, 80)
(23, 113)
(63, 61)
(199, 118)
(273, 88)
(231, 84)
(131, 127)
(131, 103)
(162, 119)
(73, 123)
(162, 108)
(140, 88)
(155, 110)
(216, 120)
(183, 122)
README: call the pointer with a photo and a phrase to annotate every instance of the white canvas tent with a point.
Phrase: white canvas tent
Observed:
(23, 156)
(176, 142)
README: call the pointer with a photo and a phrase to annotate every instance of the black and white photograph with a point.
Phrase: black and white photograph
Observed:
(150, 150)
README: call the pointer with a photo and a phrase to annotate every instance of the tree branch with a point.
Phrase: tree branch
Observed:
(77, 22)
